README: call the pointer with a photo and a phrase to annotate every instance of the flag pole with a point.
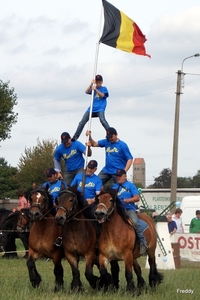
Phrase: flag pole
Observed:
(92, 98)
(92, 95)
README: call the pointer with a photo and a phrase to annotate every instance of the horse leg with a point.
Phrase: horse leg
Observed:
(58, 272)
(155, 278)
(24, 238)
(128, 261)
(140, 280)
(105, 278)
(76, 284)
(91, 278)
(34, 276)
(115, 274)
(10, 247)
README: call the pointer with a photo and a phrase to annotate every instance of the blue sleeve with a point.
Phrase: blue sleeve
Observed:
(57, 154)
(81, 147)
(105, 91)
(102, 143)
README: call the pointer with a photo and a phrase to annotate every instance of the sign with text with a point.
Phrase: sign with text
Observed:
(189, 245)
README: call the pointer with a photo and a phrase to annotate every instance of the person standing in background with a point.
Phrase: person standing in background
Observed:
(177, 218)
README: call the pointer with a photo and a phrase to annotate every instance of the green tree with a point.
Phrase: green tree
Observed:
(196, 180)
(7, 116)
(164, 180)
(34, 162)
(184, 182)
(8, 180)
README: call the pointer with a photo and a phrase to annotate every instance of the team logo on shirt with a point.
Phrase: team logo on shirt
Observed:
(110, 150)
(121, 192)
(65, 156)
(56, 189)
(89, 184)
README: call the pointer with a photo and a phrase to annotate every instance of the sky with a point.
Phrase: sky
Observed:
(48, 53)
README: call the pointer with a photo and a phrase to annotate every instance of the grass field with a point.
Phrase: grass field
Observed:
(15, 284)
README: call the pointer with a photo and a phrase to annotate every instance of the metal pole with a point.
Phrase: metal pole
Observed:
(176, 131)
(175, 144)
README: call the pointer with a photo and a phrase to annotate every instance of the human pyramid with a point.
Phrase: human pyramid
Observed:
(118, 161)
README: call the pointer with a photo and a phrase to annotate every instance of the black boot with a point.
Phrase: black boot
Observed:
(58, 241)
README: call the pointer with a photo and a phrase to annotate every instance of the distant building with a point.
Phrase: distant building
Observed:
(139, 171)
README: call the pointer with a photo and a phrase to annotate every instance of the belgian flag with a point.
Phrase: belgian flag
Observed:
(121, 32)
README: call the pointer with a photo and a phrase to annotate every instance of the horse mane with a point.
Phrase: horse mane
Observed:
(119, 206)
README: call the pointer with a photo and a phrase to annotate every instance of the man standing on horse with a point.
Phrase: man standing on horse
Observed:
(72, 153)
(99, 105)
(118, 155)
(128, 195)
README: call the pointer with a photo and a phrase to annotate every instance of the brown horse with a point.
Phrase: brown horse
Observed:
(78, 236)
(118, 242)
(43, 233)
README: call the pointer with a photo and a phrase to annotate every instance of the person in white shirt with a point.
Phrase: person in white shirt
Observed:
(177, 218)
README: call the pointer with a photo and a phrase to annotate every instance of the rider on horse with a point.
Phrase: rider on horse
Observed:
(128, 195)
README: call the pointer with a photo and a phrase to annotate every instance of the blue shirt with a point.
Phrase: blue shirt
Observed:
(171, 226)
(73, 155)
(126, 190)
(99, 103)
(117, 155)
(54, 188)
(93, 184)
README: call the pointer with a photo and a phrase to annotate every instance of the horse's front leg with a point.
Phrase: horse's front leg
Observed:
(76, 284)
(115, 274)
(140, 280)
(105, 279)
(34, 276)
(92, 279)
(128, 261)
(58, 272)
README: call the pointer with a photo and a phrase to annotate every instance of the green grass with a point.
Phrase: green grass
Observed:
(15, 284)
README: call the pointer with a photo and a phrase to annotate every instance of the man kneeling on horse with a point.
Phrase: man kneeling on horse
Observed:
(128, 195)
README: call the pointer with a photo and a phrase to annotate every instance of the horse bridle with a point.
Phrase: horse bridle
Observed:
(38, 204)
(74, 202)
(109, 210)
(23, 228)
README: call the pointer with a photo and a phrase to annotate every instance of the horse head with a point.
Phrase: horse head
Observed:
(106, 205)
(40, 203)
(67, 202)
(24, 219)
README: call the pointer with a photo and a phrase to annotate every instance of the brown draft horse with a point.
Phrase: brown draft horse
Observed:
(78, 236)
(43, 233)
(118, 242)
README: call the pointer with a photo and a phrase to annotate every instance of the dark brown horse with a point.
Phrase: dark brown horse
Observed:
(43, 233)
(9, 232)
(78, 236)
(118, 241)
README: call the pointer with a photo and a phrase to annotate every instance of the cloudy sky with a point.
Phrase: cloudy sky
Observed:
(47, 52)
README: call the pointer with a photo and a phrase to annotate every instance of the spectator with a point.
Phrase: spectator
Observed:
(99, 105)
(171, 224)
(22, 203)
(177, 218)
(72, 153)
(118, 155)
(195, 223)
